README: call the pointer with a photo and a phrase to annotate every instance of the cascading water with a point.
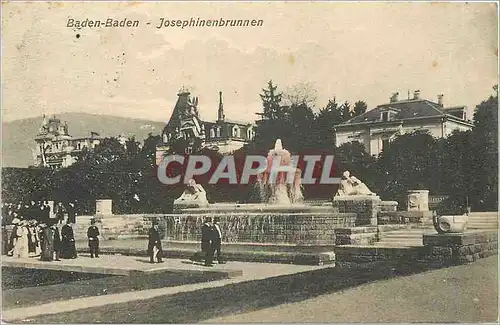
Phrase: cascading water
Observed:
(275, 187)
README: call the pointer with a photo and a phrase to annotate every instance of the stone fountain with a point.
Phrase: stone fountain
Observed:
(280, 220)
(282, 187)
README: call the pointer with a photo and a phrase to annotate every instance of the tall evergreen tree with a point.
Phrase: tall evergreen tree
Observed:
(346, 111)
(271, 102)
(359, 108)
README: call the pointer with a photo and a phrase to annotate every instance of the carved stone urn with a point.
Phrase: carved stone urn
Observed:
(450, 224)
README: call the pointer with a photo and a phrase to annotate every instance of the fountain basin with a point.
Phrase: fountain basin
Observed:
(261, 223)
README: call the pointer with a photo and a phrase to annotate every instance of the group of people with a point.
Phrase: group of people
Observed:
(34, 239)
(39, 211)
(211, 237)
(50, 241)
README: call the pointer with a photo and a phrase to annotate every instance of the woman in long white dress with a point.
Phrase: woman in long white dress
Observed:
(21, 244)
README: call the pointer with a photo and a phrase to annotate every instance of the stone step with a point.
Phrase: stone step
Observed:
(484, 219)
(398, 240)
(397, 245)
(400, 236)
(482, 214)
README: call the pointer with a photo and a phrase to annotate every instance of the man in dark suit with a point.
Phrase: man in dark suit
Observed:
(206, 242)
(57, 241)
(93, 236)
(216, 239)
(154, 244)
(71, 212)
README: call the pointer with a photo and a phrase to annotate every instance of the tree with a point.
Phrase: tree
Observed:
(325, 122)
(301, 94)
(411, 161)
(359, 108)
(346, 111)
(148, 150)
(271, 102)
(485, 155)
(352, 157)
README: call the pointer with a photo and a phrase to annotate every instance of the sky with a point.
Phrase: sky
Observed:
(351, 51)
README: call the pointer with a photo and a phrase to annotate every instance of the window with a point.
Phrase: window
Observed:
(212, 133)
(218, 132)
(236, 132)
(385, 143)
(385, 116)
(250, 134)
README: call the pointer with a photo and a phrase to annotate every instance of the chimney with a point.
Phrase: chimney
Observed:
(416, 94)
(221, 108)
(394, 97)
(440, 100)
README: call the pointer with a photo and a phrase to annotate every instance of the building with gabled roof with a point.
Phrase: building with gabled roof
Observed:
(222, 135)
(377, 127)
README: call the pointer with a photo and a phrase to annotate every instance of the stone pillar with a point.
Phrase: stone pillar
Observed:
(418, 200)
(103, 207)
(366, 207)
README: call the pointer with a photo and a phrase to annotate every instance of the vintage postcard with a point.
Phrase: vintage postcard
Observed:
(249, 162)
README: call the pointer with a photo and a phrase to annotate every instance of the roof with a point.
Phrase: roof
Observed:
(183, 106)
(229, 121)
(404, 110)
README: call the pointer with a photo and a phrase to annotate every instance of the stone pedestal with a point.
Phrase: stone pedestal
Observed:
(366, 207)
(418, 200)
(103, 207)
(388, 206)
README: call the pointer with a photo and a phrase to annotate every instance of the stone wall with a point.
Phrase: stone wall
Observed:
(117, 226)
(365, 207)
(404, 217)
(265, 227)
(460, 248)
(439, 250)
(370, 257)
(356, 235)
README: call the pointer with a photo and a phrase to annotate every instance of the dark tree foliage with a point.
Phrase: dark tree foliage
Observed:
(359, 108)
(410, 162)
(271, 102)
(346, 111)
(484, 152)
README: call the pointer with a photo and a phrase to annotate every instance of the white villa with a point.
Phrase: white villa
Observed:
(377, 127)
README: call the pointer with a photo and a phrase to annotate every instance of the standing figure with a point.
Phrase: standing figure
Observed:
(71, 212)
(13, 235)
(47, 243)
(60, 211)
(93, 236)
(68, 248)
(21, 242)
(216, 239)
(5, 240)
(206, 242)
(33, 240)
(57, 241)
(45, 213)
(154, 244)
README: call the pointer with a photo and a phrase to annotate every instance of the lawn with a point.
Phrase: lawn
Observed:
(28, 287)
